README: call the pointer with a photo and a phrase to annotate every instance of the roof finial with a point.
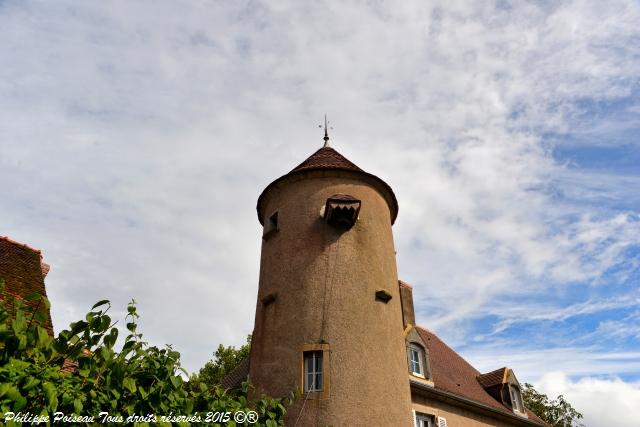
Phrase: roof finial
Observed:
(326, 132)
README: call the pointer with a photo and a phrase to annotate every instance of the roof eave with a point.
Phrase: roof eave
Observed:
(390, 197)
(452, 398)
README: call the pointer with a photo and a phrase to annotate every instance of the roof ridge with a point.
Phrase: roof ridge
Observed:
(494, 371)
(15, 242)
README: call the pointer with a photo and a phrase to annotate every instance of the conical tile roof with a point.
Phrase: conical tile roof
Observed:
(326, 159)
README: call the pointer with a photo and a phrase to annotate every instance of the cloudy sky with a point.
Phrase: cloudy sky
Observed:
(135, 138)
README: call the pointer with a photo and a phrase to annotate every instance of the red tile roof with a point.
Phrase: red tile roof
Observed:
(452, 374)
(23, 271)
(326, 158)
(404, 284)
(237, 376)
(492, 378)
(9, 240)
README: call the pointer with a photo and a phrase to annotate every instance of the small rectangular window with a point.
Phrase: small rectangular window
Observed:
(313, 371)
(423, 420)
(415, 360)
(516, 399)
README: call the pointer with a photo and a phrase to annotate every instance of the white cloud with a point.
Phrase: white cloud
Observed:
(528, 363)
(603, 402)
(137, 137)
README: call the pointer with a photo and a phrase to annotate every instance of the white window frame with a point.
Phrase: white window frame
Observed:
(313, 371)
(424, 420)
(516, 398)
(420, 362)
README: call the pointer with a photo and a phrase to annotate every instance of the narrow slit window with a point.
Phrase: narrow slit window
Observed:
(273, 220)
(313, 377)
(270, 225)
(516, 398)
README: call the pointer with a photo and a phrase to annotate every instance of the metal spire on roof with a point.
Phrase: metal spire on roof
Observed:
(326, 132)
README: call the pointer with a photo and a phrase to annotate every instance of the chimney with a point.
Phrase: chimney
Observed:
(406, 300)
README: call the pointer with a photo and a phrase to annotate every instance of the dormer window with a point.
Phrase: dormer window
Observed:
(503, 386)
(417, 357)
(341, 211)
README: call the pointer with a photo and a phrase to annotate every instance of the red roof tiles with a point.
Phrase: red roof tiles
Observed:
(492, 378)
(22, 269)
(237, 376)
(404, 285)
(452, 374)
(326, 158)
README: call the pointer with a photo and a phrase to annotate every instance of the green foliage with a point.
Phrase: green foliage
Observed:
(137, 380)
(557, 412)
(225, 360)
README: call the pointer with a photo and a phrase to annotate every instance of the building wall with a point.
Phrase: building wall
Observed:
(455, 415)
(325, 284)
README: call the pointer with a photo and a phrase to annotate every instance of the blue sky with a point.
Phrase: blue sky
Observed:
(136, 137)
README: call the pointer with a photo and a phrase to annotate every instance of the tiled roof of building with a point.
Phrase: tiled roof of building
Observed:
(237, 376)
(452, 374)
(23, 271)
(16, 243)
(404, 284)
(492, 378)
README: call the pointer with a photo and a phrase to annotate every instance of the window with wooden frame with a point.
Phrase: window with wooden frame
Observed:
(313, 379)
(315, 365)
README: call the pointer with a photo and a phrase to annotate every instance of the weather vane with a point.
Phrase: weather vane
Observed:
(326, 133)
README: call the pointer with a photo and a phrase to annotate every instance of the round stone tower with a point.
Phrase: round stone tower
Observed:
(328, 319)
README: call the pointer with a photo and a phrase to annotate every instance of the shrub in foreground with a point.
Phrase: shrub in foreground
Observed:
(137, 384)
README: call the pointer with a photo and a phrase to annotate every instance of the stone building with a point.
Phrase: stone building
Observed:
(334, 323)
(23, 271)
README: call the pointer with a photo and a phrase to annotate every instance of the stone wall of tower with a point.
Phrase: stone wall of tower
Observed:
(317, 286)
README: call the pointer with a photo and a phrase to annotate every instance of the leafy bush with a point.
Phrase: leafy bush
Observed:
(225, 360)
(107, 384)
